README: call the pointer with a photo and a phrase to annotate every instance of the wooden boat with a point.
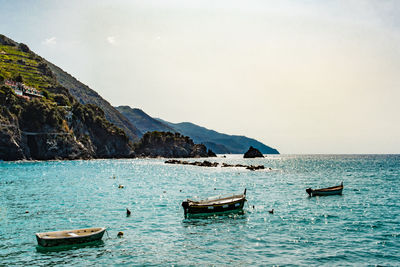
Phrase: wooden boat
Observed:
(334, 190)
(68, 237)
(214, 205)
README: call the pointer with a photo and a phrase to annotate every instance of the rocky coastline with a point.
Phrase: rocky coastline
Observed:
(169, 145)
(206, 163)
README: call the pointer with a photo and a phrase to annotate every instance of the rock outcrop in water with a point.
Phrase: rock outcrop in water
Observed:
(169, 145)
(253, 153)
(211, 153)
(206, 163)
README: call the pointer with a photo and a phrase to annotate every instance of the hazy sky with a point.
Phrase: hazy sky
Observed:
(300, 76)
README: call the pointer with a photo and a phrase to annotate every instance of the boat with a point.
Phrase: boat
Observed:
(334, 190)
(215, 204)
(69, 237)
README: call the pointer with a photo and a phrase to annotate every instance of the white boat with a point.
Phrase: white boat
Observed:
(68, 237)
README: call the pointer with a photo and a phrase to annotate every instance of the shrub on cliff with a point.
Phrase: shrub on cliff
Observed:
(45, 70)
(18, 78)
(23, 48)
(37, 114)
(61, 100)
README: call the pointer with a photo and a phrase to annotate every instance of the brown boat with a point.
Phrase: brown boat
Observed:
(334, 190)
(215, 205)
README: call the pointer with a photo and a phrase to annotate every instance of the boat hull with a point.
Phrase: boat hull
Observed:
(315, 193)
(52, 242)
(208, 209)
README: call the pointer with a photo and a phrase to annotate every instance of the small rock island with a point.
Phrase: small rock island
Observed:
(253, 153)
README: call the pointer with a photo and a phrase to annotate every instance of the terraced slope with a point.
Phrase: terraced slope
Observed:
(18, 62)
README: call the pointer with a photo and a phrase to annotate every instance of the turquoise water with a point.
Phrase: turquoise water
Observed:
(361, 227)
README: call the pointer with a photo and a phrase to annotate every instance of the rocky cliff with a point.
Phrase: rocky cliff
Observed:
(43, 120)
(169, 145)
(41, 129)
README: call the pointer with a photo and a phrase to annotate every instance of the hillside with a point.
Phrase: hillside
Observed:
(236, 144)
(217, 142)
(86, 95)
(40, 119)
(18, 63)
(143, 121)
(146, 123)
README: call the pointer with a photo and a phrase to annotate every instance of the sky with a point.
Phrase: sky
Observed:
(303, 77)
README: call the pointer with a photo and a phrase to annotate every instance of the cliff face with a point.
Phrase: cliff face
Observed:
(97, 133)
(40, 119)
(10, 137)
(169, 145)
(42, 130)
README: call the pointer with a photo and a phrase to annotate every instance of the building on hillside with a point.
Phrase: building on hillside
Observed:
(21, 89)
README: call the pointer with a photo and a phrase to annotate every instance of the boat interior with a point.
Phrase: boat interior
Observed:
(216, 201)
(338, 187)
(70, 233)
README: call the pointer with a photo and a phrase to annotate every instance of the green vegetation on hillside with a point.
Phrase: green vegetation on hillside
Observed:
(27, 67)
(33, 115)
(157, 137)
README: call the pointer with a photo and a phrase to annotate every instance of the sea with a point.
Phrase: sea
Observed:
(361, 227)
